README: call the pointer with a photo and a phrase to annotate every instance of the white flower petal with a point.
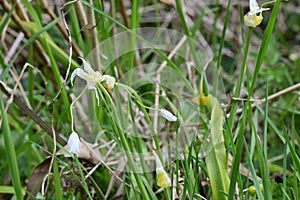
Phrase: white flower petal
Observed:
(86, 66)
(73, 143)
(168, 115)
(91, 85)
(109, 80)
(157, 161)
(78, 72)
(253, 6)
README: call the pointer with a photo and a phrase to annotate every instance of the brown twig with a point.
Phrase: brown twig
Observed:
(273, 96)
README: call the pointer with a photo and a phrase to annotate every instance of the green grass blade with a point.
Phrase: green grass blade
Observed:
(10, 152)
(284, 170)
(58, 191)
(294, 154)
(265, 177)
(253, 173)
(265, 43)
(216, 159)
(240, 81)
(4, 189)
(237, 158)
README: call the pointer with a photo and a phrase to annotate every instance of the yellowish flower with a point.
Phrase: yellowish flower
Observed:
(201, 100)
(109, 81)
(252, 19)
(162, 178)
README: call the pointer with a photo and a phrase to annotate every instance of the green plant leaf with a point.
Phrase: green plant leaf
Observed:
(216, 161)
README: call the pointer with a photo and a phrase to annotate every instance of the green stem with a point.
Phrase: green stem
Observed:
(139, 101)
(126, 147)
(82, 177)
(240, 81)
(71, 108)
(10, 151)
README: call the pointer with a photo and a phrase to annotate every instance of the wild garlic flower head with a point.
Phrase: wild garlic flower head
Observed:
(251, 19)
(162, 178)
(168, 115)
(73, 143)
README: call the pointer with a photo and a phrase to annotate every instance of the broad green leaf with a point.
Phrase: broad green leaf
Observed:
(216, 160)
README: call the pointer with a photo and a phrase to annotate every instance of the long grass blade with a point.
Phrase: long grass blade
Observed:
(216, 159)
(10, 152)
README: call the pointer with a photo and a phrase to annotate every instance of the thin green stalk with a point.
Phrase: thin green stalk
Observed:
(237, 157)
(239, 83)
(85, 187)
(58, 191)
(139, 102)
(71, 107)
(266, 182)
(133, 26)
(284, 169)
(182, 18)
(253, 173)
(263, 169)
(139, 143)
(10, 152)
(265, 44)
(125, 145)
(30, 76)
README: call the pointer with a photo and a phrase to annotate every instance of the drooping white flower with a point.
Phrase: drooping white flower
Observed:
(73, 143)
(251, 18)
(162, 178)
(168, 115)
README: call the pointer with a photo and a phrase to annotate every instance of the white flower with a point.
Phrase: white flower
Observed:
(168, 115)
(73, 143)
(109, 81)
(162, 178)
(93, 77)
(251, 18)
(87, 73)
